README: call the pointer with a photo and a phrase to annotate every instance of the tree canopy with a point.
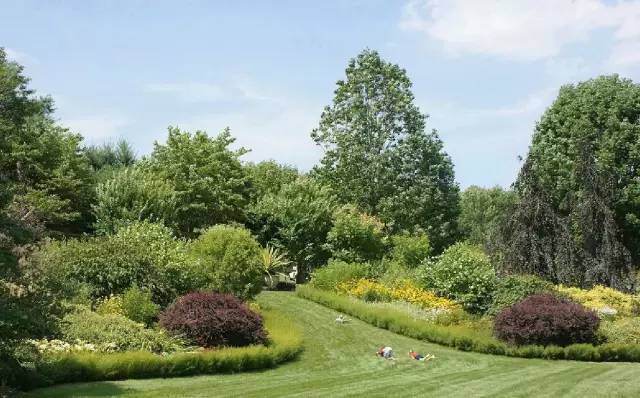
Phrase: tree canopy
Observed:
(577, 221)
(378, 155)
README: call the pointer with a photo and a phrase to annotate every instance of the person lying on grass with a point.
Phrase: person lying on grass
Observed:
(385, 352)
(419, 357)
(341, 319)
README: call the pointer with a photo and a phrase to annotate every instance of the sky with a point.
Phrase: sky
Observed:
(483, 70)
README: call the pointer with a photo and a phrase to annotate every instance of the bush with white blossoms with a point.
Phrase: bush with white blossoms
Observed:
(53, 346)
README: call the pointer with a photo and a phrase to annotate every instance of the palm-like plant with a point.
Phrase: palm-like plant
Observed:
(273, 260)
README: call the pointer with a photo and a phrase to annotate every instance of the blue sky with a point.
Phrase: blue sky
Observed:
(484, 70)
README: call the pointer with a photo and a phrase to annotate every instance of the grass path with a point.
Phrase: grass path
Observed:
(339, 362)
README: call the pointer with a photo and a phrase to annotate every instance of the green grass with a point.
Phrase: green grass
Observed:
(339, 361)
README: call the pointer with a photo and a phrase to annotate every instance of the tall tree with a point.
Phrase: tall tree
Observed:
(210, 184)
(45, 181)
(379, 156)
(578, 220)
(482, 211)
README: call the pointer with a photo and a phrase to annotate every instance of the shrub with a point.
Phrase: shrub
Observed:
(600, 298)
(135, 303)
(355, 236)
(113, 332)
(546, 319)
(336, 272)
(465, 274)
(515, 288)
(622, 331)
(410, 250)
(396, 273)
(142, 254)
(214, 319)
(230, 257)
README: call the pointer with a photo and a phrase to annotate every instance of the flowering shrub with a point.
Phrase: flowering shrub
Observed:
(54, 346)
(463, 273)
(369, 290)
(214, 319)
(603, 299)
(546, 319)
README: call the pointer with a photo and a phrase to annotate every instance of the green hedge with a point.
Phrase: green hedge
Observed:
(286, 344)
(464, 339)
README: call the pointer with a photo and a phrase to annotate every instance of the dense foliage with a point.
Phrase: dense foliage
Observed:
(210, 183)
(410, 250)
(512, 289)
(143, 255)
(269, 177)
(298, 219)
(465, 274)
(214, 319)
(231, 259)
(355, 237)
(482, 211)
(546, 319)
(604, 299)
(337, 272)
(378, 155)
(133, 194)
(113, 332)
(135, 303)
(577, 222)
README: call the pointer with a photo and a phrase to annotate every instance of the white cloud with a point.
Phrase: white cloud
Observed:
(97, 128)
(522, 30)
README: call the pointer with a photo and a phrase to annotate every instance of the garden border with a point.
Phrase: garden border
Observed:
(401, 323)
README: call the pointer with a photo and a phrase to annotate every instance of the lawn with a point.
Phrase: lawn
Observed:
(339, 361)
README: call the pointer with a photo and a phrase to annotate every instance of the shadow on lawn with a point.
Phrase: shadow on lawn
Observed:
(98, 389)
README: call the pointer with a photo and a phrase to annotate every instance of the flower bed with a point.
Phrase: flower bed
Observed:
(285, 344)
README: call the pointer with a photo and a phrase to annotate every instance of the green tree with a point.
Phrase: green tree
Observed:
(133, 194)
(46, 185)
(210, 183)
(355, 236)
(297, 219)
(268, 177)
(378, 155)
(482, 211)
(120, 154)
(578, 217)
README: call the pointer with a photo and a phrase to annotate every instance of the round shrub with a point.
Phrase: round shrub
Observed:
(545, 319)
(142, 254)
(337, 272)
(515, 288)
(410, 249)
(465, 274)
(211, 319)
(231, 258)
(355, 236)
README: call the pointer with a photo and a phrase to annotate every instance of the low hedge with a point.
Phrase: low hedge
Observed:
(285, 344)
(465, 339)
